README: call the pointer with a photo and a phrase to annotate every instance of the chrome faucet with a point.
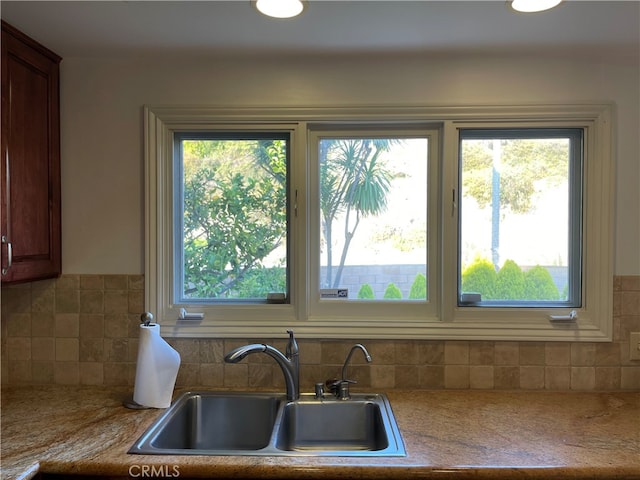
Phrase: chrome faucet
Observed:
(290, 364)
(341, 387)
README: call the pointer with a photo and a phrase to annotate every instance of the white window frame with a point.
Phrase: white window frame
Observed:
(593, 321)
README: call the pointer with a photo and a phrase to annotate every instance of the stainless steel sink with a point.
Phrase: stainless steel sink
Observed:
(241, 423)
(319, 425)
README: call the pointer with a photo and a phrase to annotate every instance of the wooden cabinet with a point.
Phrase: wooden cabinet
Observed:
(30, 142)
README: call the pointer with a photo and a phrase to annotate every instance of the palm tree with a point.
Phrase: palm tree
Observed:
(353, 182)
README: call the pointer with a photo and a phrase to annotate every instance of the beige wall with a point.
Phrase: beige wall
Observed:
(102, 99)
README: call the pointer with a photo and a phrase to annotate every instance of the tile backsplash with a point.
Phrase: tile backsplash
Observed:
(83, 330)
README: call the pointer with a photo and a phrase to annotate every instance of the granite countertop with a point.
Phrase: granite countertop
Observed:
(447, 434)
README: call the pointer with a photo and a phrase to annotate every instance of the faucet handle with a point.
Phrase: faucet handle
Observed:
(335, 386)
(292, 345)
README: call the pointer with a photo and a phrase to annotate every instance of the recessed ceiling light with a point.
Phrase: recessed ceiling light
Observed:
(280, 8)
(529, 6)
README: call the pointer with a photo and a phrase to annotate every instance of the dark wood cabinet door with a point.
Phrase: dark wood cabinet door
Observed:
(30, 185)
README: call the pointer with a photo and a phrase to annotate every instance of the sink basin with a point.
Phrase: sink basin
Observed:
(212, 422)
(319, 425)
(242, 423)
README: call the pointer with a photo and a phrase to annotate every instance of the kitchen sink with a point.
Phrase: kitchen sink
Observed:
(317, 425)
(247, 423)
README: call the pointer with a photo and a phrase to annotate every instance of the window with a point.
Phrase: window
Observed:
(230, 225)
(520, 217)
(374, 222)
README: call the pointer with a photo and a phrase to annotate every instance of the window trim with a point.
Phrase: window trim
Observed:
(594, 322)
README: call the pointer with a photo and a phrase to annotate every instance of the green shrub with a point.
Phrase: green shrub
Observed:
(480, 277)
(539, 284)
(418, 288)
(510, 282)
(366, 292)
(392, 292)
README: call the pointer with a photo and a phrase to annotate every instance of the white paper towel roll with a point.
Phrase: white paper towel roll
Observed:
(157, 369)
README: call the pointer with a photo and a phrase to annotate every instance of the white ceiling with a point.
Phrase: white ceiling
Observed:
(121, 28)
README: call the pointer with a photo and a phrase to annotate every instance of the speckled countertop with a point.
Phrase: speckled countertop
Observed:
(447, 434)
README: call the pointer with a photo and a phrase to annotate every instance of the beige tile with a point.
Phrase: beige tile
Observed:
(116, 350)
(383, 353)
(91, 301)
(19, 348)
(17, 298)
(91, 373)
(42, 372)
(236, 375)
(67, 350)
(383, 376)
(531, 353)
(507, 353)
(557, 354)
(557, 378)
(43, 297)
(116, 301)
(18, 324)
(627, 282)
(188, 375)
(91, 325)
(481, 353)
(189, 349)
(334, 352)
(116, 325)
(456, 376)
(260, 375)
(91, 282)
(310, 353)
(43, 325)
(506, 377)
(116, 282)
(68, 282)
(67, 325)
(136, 282)
(91, 350)
(456, 353)
(116, 373)
(583, 354)
(607, 354)
(211, 374)
(431, 376)
(583, 378)
(532, 377)
(407, 352)
(43, 349)
(212, 350)
(607, 378)
(66, 373)
(407, 376)
(67, 301)
(630, 303)
(630, 378)
(20, 372)
(136, 302)
(481, 376)
(433, 353)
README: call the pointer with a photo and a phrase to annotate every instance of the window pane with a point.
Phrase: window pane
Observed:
(373, 215)
(520, 217)
(233, 240)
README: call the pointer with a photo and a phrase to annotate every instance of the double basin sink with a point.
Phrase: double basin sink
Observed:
(248, 423)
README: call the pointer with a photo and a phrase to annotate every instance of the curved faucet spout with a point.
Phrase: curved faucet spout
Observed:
(353, 349)
(237, 354)
(288, 364)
